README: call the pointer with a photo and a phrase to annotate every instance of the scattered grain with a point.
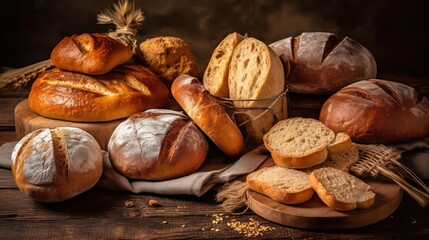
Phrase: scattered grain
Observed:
(154, 203)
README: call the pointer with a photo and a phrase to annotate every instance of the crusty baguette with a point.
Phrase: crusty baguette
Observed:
(340, 190)
(90, 53)
(256, 73)
(298, 142)
(283, 185)
(216, 74)
(208, 114)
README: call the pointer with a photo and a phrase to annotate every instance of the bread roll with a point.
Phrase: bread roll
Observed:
(208, 114)
(157, 145)
(90, 53)
(216, 74)
(168, 57)
(320, 63)
(256, 73)
(127, 89)
(377, 111)
(53, 165)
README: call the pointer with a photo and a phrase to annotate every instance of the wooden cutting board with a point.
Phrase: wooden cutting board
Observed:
(27, 121)
(315, 215)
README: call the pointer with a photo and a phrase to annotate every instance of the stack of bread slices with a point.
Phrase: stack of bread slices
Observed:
(309, 157)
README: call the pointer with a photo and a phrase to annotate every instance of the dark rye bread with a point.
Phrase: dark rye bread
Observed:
(321, 63)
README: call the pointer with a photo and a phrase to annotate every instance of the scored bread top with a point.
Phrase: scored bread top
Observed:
(281, 184)
(340, 190)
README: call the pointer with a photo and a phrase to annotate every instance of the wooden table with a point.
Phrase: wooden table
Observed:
(102, 214)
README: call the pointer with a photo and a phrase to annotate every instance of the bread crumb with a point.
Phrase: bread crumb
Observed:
(129, 204)
(164, 222)
(154, 203)
(253, 228)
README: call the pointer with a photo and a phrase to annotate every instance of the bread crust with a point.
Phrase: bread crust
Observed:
(90, 53)
(126, 90)
(320, 63)
(377, 111)
(76, 164)
(208, 114)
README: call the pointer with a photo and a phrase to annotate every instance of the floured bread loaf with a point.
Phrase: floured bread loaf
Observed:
(216, 75)
(256, 73)
(340, 190)
(53, 165)
(302, 142)
(283, 185)
(157, 144)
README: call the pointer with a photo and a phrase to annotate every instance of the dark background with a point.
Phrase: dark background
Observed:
(396, 32)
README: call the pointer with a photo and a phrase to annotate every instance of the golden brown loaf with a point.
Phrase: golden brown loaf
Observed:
(157, 144)
(53, 165)
(168, 57)
(126, 90)
(378, 111)
(256, 73)
(90, 53)
(216, 74)
(208, 114)
(320, 63)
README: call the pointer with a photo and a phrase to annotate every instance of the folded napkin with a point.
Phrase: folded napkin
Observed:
(215, 170)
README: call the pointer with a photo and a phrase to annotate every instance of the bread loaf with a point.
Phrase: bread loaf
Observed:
(320, 63)
(340, 190)
(256, 73)
(302, 142)
(168, 57)
(157, 144)
(377, 111)
(90, 53)
(283, 185)
(53, 165)
(208, 114)
(216, 74)
(127, 89)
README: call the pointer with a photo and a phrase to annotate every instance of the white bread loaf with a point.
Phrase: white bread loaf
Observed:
(257, 73)
(157, 144)
(302, 142)
(283, 185)
(53, 165)
(215, 77)
(208, 114)
(340, 190)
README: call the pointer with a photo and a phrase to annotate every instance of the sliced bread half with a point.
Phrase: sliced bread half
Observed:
(340, 144)
(298, 142)
(341, 161)
(340, 190)
(215, 77)
(283, 185)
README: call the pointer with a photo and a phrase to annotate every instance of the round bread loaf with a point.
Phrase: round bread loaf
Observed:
(208, 114)
(377, 111)
(90, 53)
(157, 144)
(125, 90)
(168, 57)
(320, 63)
(53, 165)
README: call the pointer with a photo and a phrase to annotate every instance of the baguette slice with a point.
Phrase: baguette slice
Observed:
(256, 73)
(341, 161)
(340, 190)
(215, 77)
(298, 142)
(283, 185)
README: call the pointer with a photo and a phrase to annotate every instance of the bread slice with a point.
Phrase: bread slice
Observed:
(340, 190)
(283, 185)
(298, 142)
(341, 161)
(256, 73)
(341, 143)
(215, 77)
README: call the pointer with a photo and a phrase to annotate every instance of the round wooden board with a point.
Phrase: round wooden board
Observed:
(27, 121)
(314, 214)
